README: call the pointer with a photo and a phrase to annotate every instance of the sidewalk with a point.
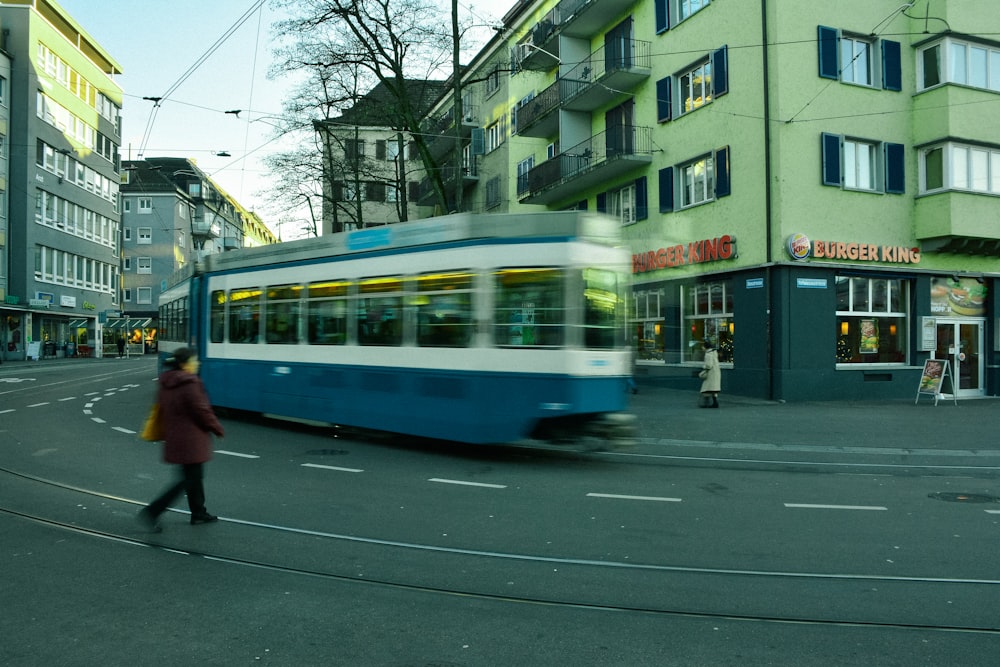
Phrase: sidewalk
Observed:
(948, 434)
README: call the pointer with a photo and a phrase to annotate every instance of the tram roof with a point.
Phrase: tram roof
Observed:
(582, 225)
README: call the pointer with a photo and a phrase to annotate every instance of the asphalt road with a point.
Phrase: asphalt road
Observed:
(756, 534)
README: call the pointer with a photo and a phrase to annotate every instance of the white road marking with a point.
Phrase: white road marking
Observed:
(462, 483)
(68, 398)
(620, 497)
(3, 412)
(242, 456)
(122, 429)
(836, 507)
(38, 405)
(98, 420)
(993, 511)
(88, 412)
(337, 468)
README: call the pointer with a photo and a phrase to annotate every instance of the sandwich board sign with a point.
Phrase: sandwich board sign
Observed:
(932, 379)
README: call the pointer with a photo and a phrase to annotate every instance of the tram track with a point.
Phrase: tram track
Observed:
(586, 567)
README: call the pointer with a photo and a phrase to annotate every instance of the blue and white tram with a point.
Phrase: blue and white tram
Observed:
(472, 328)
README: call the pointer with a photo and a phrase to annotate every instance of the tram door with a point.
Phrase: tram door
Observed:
(961, 343)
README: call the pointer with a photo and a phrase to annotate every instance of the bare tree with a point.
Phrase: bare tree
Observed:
(352, 46)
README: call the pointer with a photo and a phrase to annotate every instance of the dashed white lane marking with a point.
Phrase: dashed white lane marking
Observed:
(240, 455)
(463, 483)
(3, 412)
(68, 398)
(993, 511)
(38, 405)
(875, 508)
(337, 468)
(621, 497)
(98, 420)
(123, 430)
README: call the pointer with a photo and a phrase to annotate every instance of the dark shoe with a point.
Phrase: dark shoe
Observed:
(151, 522)
(203, 518)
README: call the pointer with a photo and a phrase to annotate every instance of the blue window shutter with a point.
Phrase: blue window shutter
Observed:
(829, 53)
(641, 205)
(663, 111)
(831, 160)
(892, 73)
(895, 171)
(478, 141)
(720, 71)
(662, 12)
(722, 185)
(667, 190)
(602, 202)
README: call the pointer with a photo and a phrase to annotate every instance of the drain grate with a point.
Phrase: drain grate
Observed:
(964, 497)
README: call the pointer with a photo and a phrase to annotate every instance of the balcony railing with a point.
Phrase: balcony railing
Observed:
(425, 191)
(441, 130)
(537, 118)
(603, 156)
(609, 72)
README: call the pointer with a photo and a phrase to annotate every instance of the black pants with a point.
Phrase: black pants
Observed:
(190, 483)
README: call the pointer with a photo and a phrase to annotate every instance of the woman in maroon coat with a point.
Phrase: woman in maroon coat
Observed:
(188, 422)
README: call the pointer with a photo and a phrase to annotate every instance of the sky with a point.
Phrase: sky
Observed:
(157, 42)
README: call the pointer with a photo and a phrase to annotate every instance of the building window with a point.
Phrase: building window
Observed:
(145, 205)
(523, 167)
(647, 325)
(960, 167)
(708, 315)
(354, 149)
(859, 164)
(144, 295)
(860, 60)
(126, 205)
(693, 87)
(696, 182)
(144, 265)
(495, 135)
(127, 231)
(959, 62)
(671, 12)
(621, 204)
(128, 263)
(871, 320)
(145, 235)
(493, 81)
(493, 198)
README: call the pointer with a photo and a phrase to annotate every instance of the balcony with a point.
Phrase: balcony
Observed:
(425, 192)
(601, 158)
(205, 224)
(539, 117)
(540, 49)
(441, 130)
(957, 222)
(608, 74)
(586, 18)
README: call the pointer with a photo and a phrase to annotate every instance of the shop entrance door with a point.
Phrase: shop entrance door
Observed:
(961, 343)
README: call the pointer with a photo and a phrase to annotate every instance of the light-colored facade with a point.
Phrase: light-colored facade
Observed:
(61, 237)
(172, 214)
(816, 188)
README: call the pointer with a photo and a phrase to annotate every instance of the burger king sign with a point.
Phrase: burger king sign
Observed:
(799, 246)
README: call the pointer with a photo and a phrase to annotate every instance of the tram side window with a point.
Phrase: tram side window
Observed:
(444, 309)
(244, 315)
(218, 316)
(604, 312)
(281, 314)
(380, 311)
(327, 307)
(529, 307)
(180, 331)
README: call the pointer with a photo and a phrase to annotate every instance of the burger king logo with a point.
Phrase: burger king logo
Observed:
(799, 246)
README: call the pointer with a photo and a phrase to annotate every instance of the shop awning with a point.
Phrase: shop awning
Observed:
(78, 323)
(128, 323)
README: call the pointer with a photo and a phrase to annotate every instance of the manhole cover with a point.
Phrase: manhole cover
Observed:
(964, 497)
(326, 452)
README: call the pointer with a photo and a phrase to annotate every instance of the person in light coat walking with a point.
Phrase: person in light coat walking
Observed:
(711, 377)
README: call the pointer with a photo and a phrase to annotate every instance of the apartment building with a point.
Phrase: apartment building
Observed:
(172, 214)
(814, 188)
(61, 240)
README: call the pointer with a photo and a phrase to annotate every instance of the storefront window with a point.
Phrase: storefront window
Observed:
(647, 325)
(708, 315)
(871, 321)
